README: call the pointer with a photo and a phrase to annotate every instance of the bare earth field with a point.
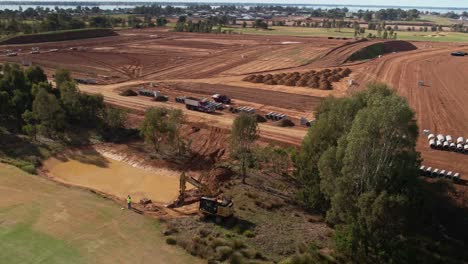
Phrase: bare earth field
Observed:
(202, 64)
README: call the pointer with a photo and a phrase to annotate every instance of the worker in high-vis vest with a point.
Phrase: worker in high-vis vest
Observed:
(129, 202)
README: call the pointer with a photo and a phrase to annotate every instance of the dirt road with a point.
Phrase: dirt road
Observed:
(291, 136)
(440, 104)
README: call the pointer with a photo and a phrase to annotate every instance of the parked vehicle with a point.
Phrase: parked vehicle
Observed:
(459, 54)
(221, 98)
(199, 105)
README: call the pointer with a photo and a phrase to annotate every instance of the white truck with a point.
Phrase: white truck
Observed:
(199, 105)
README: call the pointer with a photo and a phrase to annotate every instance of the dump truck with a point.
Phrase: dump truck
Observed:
(199, 105)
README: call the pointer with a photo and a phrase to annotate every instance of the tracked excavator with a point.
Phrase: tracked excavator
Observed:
(209, 203)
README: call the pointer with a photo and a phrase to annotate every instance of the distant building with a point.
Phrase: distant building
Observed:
(246, 17)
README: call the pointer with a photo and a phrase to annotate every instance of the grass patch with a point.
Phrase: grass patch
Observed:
(368, 52)
(445, 36)
(43, 222)
(21, 244)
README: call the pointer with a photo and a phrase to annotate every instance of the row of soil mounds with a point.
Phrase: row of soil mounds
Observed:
(59, 36)
(314, 79)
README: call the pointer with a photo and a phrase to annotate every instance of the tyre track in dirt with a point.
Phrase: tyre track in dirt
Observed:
(224, 121)
(440, 105)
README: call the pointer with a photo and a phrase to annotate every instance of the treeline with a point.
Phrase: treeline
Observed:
(201, 26)
(30, 105)
(43, 20)
(359, 167)
(389, 14)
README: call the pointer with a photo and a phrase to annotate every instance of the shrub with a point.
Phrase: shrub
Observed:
(171, 241)
(249, 234)
(237, 244)
(128, 92)
(29, 168)
(170, 231)
(204, 232)
(224, 252)
(218, 242)
(236, 258)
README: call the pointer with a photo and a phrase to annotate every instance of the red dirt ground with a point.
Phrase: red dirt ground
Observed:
(202, 64)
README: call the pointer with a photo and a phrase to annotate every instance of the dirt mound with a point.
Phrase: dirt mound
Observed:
(377, 49)
(59, 36)
(320, 80)
(216, 177)
(283, 123)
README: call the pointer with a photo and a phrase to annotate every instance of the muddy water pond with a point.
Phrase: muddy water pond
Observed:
(88, 168)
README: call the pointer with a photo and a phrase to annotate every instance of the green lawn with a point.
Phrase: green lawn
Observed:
(43, 222)
(349, 33)
(438, 20)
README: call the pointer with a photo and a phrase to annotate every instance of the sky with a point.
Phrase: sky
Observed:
(425, 3)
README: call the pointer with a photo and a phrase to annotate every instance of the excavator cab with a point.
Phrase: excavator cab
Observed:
(209, 205)
(217, 207)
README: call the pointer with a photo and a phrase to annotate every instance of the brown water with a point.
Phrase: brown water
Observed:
(94, 171)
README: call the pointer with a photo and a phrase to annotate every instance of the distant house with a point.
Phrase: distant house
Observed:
(463, 18)
(246, 17)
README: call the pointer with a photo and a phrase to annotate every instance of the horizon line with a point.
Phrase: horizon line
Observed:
(130, 2)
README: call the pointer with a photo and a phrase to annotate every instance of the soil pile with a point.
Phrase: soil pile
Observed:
(314, 79)
(283, 123)
(216, 177)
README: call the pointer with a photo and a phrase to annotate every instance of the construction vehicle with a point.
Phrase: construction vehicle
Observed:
(148, 93)
(209, 204)
(199, 105)
(180, 99)
(35, 50)
(221, 98)
(459, 54)
(11, 53)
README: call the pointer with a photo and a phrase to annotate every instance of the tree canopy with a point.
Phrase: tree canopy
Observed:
(358, 165)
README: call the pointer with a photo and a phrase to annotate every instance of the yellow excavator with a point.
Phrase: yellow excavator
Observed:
(209, 203)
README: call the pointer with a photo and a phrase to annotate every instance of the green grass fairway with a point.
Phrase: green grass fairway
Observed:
(438, 20)
(349, 33)
(43, 222)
